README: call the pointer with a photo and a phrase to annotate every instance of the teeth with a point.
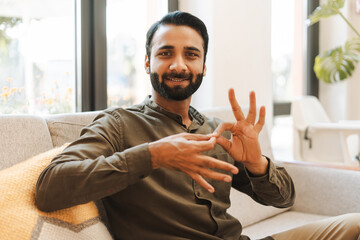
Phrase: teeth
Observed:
(177, 79)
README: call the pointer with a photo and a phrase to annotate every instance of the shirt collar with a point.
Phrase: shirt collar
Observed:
(196, 117)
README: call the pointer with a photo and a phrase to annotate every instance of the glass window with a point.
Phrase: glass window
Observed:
(287, 38)
(37, 56)
(127, 22)
(287, 51)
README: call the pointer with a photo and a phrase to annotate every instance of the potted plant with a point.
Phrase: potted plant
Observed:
(336, 64)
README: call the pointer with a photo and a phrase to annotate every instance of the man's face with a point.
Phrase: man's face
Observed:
(176, 65)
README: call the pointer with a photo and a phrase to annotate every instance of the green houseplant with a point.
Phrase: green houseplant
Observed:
(336, 64)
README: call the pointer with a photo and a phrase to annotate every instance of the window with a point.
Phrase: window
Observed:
(294, 46)
(66, 56)
(287, 38)
(287, 52)
(37, 56)
(127, 22)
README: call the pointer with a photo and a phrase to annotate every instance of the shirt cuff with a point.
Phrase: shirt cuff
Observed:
(261, 182)
(139, 162)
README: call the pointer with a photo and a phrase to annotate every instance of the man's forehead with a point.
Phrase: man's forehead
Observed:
(171, 35)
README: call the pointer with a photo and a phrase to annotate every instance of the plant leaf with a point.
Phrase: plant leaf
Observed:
(336, 3)
(321, 12)
(325, 10)
(337, 64)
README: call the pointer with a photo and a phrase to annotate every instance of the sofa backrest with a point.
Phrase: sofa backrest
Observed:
(65, 128)
(331, 192)
(21, 137)
(24, 136)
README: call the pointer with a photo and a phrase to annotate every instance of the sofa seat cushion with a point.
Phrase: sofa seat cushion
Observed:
(22, 136)
(248, 211)
(20, 219)
(280, 223)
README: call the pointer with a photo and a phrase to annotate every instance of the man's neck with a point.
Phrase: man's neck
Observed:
(179, 107)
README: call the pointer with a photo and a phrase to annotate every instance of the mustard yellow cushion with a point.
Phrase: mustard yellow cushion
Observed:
(20, 219)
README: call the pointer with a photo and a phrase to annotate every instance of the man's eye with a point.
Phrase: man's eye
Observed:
(164, 54)
(191, 54)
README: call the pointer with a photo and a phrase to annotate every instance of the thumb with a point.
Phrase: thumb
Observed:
(224, 142)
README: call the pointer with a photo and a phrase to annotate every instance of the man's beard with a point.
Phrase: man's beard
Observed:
(176, 93)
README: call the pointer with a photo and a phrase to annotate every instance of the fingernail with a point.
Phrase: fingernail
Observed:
(211, 190)
(235, 171)
(227, 179)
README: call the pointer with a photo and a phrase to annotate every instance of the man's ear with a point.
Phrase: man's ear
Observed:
(147, 64)
(204, 72)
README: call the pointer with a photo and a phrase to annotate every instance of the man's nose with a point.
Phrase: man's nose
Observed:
(178, 64)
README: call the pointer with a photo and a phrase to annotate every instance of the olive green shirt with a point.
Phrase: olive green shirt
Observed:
(111, 162)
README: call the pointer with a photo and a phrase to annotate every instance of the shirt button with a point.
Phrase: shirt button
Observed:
(198, 194)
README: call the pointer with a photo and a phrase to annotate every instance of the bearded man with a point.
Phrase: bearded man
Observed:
(161, 169)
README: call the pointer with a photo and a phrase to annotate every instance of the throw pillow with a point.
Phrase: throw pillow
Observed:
(20, 218)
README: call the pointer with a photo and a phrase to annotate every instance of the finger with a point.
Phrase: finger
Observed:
(210, 162)
(199, 179)
(224, 142)
(260, 123)
(202, 146)
(193, 136)
(239, 115)
(207, 173)
(223, 127)
(252, 108)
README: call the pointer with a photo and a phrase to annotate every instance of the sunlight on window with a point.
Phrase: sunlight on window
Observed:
(287, 34)
(37, 46)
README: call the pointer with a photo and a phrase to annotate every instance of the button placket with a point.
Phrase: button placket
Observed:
(198, 190)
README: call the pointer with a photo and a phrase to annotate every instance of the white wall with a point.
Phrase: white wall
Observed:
(353, 99)
(239, 51)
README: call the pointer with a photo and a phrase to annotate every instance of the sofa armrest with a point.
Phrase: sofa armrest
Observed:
(325, 189)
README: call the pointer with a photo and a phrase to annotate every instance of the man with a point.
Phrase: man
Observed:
(161, 169)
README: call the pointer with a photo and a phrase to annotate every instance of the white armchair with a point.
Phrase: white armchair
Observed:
(317, 139)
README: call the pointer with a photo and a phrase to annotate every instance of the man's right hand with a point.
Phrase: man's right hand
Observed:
(182, 152)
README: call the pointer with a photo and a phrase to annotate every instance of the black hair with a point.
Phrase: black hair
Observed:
(180, 19)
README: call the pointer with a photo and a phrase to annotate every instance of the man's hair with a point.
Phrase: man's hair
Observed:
(180, 19)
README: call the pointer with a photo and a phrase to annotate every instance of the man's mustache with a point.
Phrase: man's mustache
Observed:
(177, 75)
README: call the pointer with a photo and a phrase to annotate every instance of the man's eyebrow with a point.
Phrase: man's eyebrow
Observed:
(192, 49)
(166, 47)
(172, 47)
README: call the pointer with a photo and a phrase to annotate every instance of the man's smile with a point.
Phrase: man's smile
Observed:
(177, 79)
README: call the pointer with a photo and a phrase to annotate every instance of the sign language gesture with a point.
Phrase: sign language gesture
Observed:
(183, 152)
(244, 145)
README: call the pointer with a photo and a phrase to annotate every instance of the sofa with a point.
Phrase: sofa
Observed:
(28, 142)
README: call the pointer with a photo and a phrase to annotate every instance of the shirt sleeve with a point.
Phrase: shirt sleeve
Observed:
(275, 188)
(93, 167)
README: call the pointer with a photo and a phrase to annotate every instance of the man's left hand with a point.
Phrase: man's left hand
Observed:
(244, 145)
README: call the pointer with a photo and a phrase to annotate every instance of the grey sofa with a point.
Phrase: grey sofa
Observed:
(320, 191)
